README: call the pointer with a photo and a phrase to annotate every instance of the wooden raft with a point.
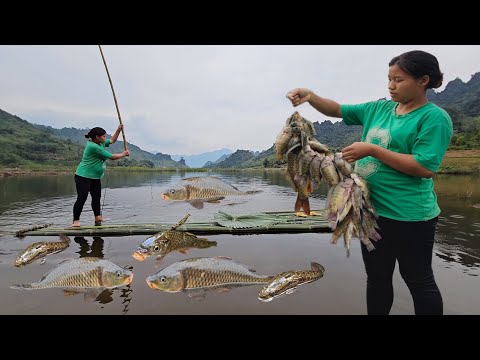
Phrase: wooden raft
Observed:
(290, 224)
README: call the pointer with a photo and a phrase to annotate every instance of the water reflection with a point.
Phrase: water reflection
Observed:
(95, 250)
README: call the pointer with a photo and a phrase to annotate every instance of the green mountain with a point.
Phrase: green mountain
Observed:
(26, 144)
(462, 101)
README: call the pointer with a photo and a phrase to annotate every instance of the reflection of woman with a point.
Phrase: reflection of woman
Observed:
(91, 169)
(96, 250)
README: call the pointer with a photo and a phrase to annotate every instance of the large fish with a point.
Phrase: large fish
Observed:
(162, 243)
(41, 249)
(287, 282)
(200, 274)
(82, 275)
(197, 190)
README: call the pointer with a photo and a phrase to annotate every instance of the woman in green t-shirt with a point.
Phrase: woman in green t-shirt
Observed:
(403, 143)
(91, 169)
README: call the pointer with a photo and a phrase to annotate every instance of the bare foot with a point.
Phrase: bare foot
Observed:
(76, 223)
(99, 218)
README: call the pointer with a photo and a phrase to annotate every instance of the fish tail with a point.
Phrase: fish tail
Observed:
(306, 206)
(317, 267)
(64, 238)
(298, 204)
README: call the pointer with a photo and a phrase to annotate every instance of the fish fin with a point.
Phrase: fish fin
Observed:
(250, 192)
(224, 257)
(69, 292)
(43, 261)
(197, 204)
(183, 251)
(289, 291)
(196, 294)
(216, 200)
(91, 295)
(222, 290)
(22, 287)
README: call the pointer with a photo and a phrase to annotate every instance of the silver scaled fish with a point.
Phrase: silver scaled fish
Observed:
(79, 275)
(205, 273)
(41, 249)
(197, 190)
(287, 282)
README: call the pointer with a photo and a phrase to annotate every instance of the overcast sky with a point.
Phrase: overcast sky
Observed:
(192, 99)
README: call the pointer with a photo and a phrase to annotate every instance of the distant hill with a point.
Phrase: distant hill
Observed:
(30, 144)
(199, 160)
(136, 153)
(220, 159)
(239, 157)
(460, 96)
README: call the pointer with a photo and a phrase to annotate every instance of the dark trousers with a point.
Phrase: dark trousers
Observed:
(411, 243)
(84, 186)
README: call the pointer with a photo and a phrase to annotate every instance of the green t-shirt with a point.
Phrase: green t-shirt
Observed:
(93, 163)
(424, 133)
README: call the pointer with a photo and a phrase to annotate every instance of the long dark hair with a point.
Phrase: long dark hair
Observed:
(96, 131)
(418, 63)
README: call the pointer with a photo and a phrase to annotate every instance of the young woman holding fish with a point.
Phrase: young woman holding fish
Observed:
(403, 143)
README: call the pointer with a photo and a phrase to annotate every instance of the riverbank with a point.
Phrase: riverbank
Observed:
(455, 162)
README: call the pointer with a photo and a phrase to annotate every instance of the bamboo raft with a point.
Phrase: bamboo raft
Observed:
(289, 224)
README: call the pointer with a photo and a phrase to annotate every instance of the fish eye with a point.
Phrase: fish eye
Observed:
(163, 279)
(118, 274)
(172, 191)
(156, 248)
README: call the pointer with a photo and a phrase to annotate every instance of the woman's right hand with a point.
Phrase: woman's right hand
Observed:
(299, 96)
(126, 153)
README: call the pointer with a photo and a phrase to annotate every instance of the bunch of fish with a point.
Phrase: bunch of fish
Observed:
(41, 249)
(198, 190)
(197, 275)
(348, 209)
(162, 243)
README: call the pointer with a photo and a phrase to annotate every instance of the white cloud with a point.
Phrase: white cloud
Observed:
(192, 99)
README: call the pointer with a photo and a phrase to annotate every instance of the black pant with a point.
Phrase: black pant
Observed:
(85, 185)
(411, 243)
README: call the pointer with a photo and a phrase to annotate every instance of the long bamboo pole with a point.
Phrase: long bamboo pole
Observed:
(114, 98)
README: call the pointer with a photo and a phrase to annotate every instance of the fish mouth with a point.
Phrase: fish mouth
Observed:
(130, 279)
(164, 197)
(265, 298)
(151, 284)
(139, 256)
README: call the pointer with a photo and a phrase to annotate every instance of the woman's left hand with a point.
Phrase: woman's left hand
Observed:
(120, 127)
(356, 151)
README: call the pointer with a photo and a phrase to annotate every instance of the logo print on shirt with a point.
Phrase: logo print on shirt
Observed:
(375, 136)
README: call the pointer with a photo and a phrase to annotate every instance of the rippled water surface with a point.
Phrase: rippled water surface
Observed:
(133, 198)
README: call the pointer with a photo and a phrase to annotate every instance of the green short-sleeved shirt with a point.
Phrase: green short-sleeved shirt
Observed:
(424, 133)
(93, 163)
